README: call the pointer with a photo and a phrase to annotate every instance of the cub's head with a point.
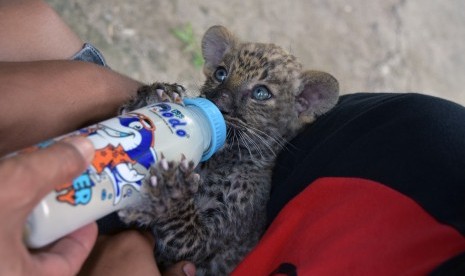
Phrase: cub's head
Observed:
(260, 88)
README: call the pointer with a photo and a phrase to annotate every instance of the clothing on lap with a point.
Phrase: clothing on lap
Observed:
(376, 185)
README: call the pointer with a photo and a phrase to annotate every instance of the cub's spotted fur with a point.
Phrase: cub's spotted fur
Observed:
(214, 214)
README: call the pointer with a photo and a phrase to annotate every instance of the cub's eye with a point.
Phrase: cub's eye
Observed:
(220, 74)
(261, 93)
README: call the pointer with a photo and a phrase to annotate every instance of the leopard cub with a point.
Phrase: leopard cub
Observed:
(213, 215)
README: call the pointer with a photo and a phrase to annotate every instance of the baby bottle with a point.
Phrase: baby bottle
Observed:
(125, 148)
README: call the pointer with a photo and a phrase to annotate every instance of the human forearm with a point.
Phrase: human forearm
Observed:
(32, 30)
(40, 100)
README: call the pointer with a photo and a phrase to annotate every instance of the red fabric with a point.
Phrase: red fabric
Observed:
(351, 226)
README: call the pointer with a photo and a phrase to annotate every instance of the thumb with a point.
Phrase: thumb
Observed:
(182, 268)
(35, 174)
(66, 256)
(65, 160)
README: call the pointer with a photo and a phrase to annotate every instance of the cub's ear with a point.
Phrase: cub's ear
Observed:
(318, 93)
(216, 42)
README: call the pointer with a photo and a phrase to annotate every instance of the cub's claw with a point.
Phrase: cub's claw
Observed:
(164, 163)
(155, 93)
(153, 181)
(170, 185)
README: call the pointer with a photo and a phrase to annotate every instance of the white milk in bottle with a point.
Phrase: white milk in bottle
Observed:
(125, 148)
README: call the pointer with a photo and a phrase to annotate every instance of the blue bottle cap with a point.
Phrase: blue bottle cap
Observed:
(216, 121)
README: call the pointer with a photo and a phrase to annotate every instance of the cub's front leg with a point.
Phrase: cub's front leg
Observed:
(167, 207)
(155, 93)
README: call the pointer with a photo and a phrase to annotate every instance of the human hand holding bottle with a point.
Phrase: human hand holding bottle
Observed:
(26, 179)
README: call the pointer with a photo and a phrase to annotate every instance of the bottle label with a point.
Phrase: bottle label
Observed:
(174, 117)
(123, 155)
(124, 152)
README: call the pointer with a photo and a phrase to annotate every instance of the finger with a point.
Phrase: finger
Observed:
(180, 268)
(67, 255)
(126, 253)
(149, 237)
(33, 175)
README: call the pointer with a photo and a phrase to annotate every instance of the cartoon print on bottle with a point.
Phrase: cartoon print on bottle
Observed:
(121, 144)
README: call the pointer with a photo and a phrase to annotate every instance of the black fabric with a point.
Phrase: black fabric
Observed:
(410, 142)
(111, 224)
(453, 267)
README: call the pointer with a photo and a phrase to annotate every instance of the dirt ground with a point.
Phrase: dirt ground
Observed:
(380, 45)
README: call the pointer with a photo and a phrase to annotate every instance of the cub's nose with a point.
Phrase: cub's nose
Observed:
(224, 101)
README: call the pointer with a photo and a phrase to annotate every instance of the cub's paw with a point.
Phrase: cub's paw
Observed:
(168, 192)
(171, 185)
(155, 93)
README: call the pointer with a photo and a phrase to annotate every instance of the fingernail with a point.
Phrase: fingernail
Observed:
(84, 146)
(189, 269)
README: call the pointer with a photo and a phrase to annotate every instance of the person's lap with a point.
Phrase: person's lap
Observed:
(407, 148)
